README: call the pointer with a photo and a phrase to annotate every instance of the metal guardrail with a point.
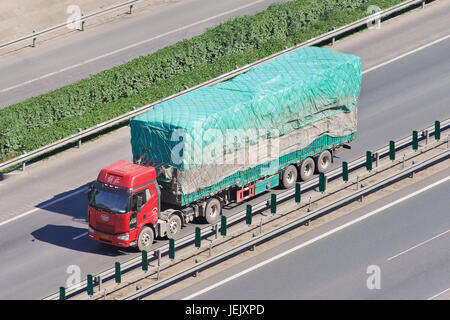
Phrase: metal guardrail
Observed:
(127, 116)
(281, 229)
(95, 14)
(211, 230)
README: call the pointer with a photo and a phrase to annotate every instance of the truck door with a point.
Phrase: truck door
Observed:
(153, 204)
(149, 213)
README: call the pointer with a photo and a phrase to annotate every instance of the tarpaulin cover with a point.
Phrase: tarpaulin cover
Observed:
(305, 88)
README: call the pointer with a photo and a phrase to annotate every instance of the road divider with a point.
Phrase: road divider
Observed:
(118, 273)
(248, 215)
(144, 261)
(223, 226)
(90, 285)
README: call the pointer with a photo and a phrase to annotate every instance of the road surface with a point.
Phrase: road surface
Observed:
(49, 206)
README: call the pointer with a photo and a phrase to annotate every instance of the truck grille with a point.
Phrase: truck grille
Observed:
(102, 227)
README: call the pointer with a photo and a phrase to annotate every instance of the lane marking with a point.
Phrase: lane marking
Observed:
(130, 46)
(418, 245)
(43, 207)
(81, 235)
(407, 54)
(259, 265)
(438, 294)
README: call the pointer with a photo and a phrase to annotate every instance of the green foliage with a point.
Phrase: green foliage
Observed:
(47, 118)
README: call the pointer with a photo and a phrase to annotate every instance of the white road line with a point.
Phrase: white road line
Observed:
(259, 265)
(418, 245)
(407, 53)
(440, 293)
(43, 207)
(130, 46)
(78, 237)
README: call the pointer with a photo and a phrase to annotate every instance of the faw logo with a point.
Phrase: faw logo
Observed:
(104, 217)
(113, 180)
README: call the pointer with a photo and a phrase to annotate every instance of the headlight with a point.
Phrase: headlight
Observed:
(90, 230)
(124, 237)
(133, 221)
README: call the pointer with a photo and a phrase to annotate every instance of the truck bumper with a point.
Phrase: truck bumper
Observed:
(112, 239)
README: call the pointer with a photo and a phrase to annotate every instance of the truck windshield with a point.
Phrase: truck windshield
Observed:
(109, 201)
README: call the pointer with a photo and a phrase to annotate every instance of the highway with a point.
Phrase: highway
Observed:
(48, 199)
(400, 253)
(34, 71)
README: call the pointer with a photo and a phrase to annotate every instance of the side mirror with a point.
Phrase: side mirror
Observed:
(139, 201)
(91, 191)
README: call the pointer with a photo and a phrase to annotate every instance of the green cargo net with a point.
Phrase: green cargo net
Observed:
(311, 87)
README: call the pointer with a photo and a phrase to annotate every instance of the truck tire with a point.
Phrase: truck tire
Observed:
(323, 161)
(289, 177)
(173, 226)
(213, 210)
(307, 169)
(145, 239)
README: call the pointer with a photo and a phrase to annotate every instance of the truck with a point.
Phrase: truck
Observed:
(280, 122)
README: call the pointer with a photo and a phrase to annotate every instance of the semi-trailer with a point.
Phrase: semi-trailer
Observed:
(278, 123)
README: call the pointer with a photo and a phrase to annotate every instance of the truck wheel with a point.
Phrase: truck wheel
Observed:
(212, 210)
(323, 161)
(145, 239)
(307, 169)
(289, 177)
(173, 226)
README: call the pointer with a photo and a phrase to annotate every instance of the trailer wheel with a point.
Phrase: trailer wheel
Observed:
(145, 239)
(307, 169)
(213, 210)
(289, 177)
(323, 161)
(173, 226)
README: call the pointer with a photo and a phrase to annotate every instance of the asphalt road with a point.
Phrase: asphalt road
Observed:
(34, 71)
(38, 247)
(399, 253)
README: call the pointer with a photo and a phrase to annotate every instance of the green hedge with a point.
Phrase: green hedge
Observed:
(47, 118)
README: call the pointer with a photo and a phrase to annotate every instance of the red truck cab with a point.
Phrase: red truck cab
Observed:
(124, 203)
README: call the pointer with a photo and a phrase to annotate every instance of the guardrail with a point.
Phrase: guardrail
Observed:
(26, 156)
(211, 230)
(82, 19)
(281, 229)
